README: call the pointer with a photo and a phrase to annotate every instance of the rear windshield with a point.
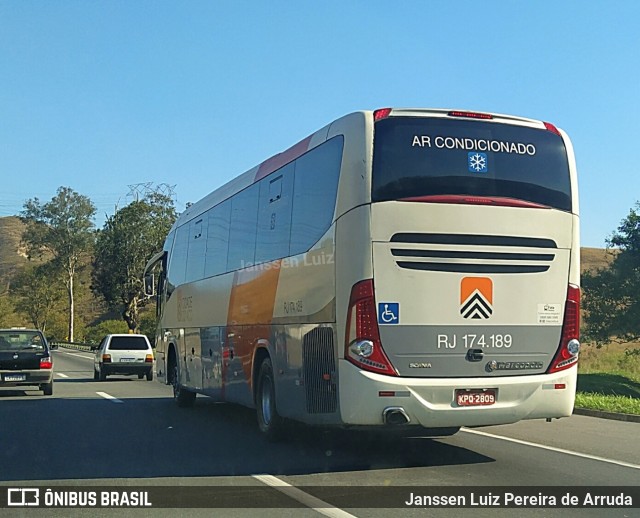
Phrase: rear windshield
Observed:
(128, 343)
(21, 340)
(417, 156)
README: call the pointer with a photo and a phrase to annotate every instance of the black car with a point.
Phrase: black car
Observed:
(25, 360)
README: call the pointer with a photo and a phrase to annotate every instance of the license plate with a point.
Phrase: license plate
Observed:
(475, 397)
(15, 377)
(127, 360)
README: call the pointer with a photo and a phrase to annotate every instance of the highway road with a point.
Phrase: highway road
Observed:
(129, 432)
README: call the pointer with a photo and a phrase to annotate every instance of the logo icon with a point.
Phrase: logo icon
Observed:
(476, 297)
(388, 313)
(23, 497)
(478, 162)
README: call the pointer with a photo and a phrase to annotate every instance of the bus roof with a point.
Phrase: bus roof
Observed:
(278, 160)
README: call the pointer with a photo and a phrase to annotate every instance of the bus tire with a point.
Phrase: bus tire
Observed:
(183, 397)
(269, 422)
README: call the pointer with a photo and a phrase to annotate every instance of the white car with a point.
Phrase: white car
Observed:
(123, 354)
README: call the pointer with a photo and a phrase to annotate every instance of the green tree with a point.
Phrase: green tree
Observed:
(148, 323)
(6, 311)
(612, 294)
(95, 334)
(127, 241)
(36, 296)
(62, 230)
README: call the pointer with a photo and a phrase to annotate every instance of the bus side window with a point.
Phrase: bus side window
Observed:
(219, 220)
(197, 249)
(242, 235)
(178, 262)
(314, 194)
(274, 215)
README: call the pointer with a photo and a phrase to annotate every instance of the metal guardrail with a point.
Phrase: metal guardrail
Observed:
(78, 346)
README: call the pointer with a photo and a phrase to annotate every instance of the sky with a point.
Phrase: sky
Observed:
(106, 95)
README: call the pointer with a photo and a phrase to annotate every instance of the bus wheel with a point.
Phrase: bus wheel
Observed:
(182, 396)
(270, 423)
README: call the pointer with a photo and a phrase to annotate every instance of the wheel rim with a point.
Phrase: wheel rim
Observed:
(266, 401)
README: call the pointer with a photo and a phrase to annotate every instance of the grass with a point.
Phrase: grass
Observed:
(609, 378)
(615, 404)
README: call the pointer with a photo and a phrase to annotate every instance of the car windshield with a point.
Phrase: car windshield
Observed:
(128, 343)
(20, 340)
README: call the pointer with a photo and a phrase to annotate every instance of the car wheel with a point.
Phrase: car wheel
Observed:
(47, 389)
(182, 396)
(140, 376)
(96, 375)
(103, 374)
(150, 375)
(269, 422)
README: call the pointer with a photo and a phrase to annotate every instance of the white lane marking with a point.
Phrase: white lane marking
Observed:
(109, 397)
(61, 375)
(304, 498)
(553, 448)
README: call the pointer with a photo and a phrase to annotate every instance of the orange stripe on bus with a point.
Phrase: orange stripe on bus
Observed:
(276, 162)
(251, 307)
(470, 284)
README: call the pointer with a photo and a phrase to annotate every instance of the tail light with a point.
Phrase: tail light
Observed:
(148, 358)
(567, 354)
(382, 113)
(106, 358)
(550, 127)
(470, 115)
(363, 347)
(46, 363)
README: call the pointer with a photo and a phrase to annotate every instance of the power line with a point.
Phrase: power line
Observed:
(144, 189)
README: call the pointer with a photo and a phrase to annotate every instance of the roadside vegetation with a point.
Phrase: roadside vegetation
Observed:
(609, 365)
(62, 275)
(609, 378)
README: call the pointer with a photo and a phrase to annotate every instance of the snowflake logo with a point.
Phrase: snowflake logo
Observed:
(478, 162)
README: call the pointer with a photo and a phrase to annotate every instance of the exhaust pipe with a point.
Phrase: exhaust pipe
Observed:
(395, 415)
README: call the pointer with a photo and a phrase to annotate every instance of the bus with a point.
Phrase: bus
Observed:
(413, 269)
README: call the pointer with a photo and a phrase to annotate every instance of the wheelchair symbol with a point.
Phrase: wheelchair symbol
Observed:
(388, 313)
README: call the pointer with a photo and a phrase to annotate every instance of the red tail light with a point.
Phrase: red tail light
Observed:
(148, 358)
(567, 354)
(552, 128)
(46, 363)
(382, 113)
(106, 358)
(363, 347)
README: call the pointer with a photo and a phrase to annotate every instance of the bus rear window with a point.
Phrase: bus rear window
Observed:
(417, 156)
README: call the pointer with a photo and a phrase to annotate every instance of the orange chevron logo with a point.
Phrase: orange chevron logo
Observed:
(476, 297)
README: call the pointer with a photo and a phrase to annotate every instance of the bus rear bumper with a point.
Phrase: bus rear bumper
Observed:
(432, 403)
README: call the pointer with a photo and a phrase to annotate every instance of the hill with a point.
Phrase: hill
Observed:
(12, 256)
(595, 258)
